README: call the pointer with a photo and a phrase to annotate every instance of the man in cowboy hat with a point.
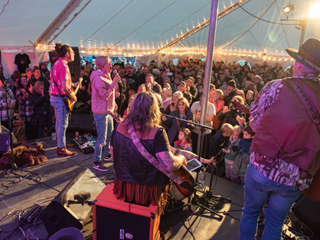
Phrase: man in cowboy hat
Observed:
(285, 151)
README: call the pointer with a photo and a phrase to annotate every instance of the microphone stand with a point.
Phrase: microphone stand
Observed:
(208, 193)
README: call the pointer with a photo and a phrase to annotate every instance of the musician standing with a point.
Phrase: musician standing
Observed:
(103, 103)
(285, 150)
(60, 90)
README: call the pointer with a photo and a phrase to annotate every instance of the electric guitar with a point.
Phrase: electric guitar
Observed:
(71, 103)
(241, 107)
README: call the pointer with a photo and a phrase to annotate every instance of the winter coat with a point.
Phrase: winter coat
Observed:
(41, 108)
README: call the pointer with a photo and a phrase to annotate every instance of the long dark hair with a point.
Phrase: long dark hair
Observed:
(62, 49)
(145, 112)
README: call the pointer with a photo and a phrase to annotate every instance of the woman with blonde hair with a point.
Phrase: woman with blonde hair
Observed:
(184, 112)
(218, 102)
(174, 103)
(103, 103)
(137, 180)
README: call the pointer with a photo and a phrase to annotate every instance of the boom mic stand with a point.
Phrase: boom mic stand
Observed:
(195, 198)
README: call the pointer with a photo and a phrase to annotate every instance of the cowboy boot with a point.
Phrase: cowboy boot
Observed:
(64, 152)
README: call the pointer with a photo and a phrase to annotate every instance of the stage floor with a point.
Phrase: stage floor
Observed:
(39, 184)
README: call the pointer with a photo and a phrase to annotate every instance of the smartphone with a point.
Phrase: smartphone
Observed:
(169, 73)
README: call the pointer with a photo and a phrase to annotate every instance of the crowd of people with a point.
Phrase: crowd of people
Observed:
(28, 93)
(163, 101)
(178, 88)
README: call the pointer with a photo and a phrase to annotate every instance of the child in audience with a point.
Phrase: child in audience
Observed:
(184, 142)
(241, 162)
(220, 140)
(231, 152)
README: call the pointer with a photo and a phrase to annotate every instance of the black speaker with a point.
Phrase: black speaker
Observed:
(82, 123)
(307, 211)
(72, 207)
(4, 143)
(74, 66)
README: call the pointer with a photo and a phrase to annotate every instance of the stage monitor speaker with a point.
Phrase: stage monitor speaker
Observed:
(116, 219)
(75, 65)
(72, 207)
(308, 212)
(4, 142)
(81, 123)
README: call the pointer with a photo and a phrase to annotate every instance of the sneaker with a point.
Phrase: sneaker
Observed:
(107, 158)
(99, 166)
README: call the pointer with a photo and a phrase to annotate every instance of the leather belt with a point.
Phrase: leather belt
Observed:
(58, 95)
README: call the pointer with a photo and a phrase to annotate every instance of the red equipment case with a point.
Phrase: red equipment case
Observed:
(116, 219)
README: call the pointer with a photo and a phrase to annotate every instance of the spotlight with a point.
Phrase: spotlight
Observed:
(288, 9)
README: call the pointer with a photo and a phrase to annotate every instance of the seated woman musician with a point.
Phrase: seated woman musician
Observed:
(137, 180)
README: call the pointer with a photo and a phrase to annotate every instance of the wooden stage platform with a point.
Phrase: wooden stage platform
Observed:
(39, 184)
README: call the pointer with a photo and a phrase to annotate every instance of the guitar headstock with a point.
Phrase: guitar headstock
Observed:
(240, 107)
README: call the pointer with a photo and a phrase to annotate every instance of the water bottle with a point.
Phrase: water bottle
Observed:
(201, 177)
(53, 131)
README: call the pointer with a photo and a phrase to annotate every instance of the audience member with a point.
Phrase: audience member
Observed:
(41, 108)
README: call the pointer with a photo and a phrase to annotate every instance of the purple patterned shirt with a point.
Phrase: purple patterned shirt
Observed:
(274, 168)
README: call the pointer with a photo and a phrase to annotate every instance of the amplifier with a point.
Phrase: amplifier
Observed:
(116, 219)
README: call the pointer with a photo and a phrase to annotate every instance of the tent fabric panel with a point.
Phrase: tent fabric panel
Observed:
(24, 21)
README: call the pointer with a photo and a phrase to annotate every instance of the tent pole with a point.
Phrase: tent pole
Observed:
(35, 56)
(207, 76)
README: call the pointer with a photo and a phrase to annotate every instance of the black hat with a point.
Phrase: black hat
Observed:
(182, 83)
(308, 53)
(232, 83)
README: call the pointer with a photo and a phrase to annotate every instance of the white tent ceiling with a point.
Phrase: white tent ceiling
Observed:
(145, 26)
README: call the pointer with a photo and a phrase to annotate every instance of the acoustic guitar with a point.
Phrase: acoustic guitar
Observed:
(71, 103)
(186, 188)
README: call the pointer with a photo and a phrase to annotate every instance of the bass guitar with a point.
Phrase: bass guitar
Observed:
(71, 103)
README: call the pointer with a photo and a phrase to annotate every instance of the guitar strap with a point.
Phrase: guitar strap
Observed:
(155, 162)
(312, 110)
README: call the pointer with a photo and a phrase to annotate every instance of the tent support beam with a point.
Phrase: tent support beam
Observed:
(207, 75)
(204, 24)
(59, 20)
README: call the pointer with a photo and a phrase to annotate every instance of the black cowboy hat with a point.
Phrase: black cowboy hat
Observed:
(308, 53)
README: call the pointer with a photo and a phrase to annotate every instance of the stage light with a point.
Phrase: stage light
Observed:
(288, 9)
(314, 10)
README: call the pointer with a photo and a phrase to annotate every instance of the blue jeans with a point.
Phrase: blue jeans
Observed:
(104, 125)
(257, 190)
(62, 117)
